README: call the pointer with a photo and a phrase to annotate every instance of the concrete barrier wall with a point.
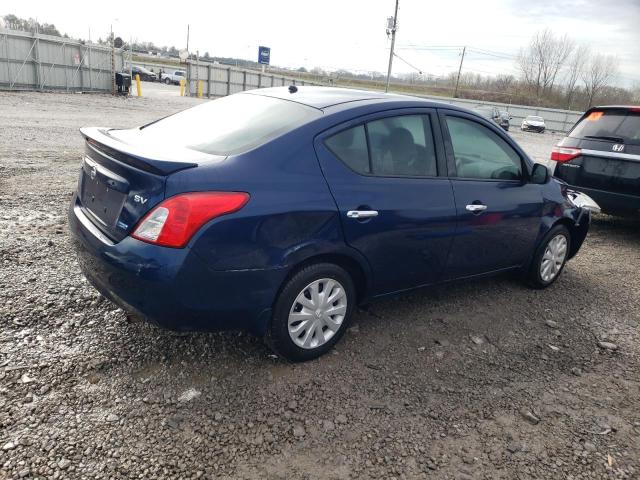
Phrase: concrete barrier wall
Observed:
(556, 120)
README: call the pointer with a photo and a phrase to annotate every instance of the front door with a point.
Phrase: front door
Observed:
(395, 209)
(499, 211)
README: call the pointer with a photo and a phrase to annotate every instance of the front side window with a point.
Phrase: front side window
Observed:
(481, 153)
(397, 146)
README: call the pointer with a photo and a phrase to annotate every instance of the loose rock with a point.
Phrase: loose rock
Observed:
(608, 345)
(529, 417)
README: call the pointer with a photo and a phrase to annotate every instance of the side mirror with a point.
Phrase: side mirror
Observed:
(539, 174)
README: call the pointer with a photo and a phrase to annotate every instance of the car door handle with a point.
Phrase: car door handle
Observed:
(359, 214)
(476, 208)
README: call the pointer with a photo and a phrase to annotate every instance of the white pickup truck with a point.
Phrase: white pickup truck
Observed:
(173, 76)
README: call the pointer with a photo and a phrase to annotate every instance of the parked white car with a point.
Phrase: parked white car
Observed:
(533, 123)
(173, 76)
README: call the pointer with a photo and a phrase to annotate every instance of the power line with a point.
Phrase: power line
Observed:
(419, 70)
(492, 53)
(430, 47)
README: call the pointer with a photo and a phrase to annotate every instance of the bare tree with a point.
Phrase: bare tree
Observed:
(600, 70)
(635, 93)
(504, 82)
(576, 65)
(541, 61)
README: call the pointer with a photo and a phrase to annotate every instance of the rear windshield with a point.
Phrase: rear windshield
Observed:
(229, 125)
(614, 125)
(535, 119)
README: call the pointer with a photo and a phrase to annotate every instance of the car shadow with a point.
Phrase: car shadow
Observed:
(496, 322)
(627, 226)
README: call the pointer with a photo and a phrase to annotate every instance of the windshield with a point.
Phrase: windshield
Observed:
(228, 125)
(535, 119)
(615, 123)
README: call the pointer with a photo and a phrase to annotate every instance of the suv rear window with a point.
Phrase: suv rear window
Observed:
(610, 124)
(229, 125)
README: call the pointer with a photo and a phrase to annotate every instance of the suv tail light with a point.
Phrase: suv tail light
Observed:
(564, 154)
(173, 222)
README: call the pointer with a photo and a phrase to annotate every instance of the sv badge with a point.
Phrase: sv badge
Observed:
(140, 199)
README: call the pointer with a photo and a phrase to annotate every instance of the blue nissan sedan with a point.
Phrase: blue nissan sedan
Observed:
(278, 210)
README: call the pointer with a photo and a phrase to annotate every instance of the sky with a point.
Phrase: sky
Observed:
(350, 34)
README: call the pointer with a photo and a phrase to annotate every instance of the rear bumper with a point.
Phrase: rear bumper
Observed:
(174, 288)
(533, 128)
(612, 202)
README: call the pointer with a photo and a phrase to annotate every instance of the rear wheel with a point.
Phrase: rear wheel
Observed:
(312, 312)
(550, 258)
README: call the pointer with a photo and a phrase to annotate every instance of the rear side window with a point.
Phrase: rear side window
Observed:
(402, 146)
(480, 153)
(616, 125)
(229, 125)
(397, 146)
(350, 146)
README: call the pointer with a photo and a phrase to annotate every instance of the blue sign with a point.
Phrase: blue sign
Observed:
(264, 55)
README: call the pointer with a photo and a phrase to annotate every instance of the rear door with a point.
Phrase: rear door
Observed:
(499, 212)
(395, 208)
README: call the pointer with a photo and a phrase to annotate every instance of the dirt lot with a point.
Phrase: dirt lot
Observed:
(478, 380)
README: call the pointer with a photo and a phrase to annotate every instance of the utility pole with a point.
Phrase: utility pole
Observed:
(113, 63)
(455, 93)
(393, 42)
(187, 39)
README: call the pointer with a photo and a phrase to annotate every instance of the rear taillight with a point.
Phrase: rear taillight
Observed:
(173, 222)
(564, 154)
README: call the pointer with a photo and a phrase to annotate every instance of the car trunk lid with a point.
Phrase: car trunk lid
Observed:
(121, 180)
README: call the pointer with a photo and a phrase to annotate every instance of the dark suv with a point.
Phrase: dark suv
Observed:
(494, 114)
(601, 157)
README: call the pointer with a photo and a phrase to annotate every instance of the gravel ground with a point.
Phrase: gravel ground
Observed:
(484, 379)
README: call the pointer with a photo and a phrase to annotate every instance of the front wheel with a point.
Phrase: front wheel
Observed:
(312, 312)
(550, 257)
(167, 81)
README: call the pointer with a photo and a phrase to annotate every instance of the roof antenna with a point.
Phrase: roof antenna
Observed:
(293, 89)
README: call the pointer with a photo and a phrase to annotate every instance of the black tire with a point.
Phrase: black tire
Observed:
(534, 276)
(278, 336)
(167, 81)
